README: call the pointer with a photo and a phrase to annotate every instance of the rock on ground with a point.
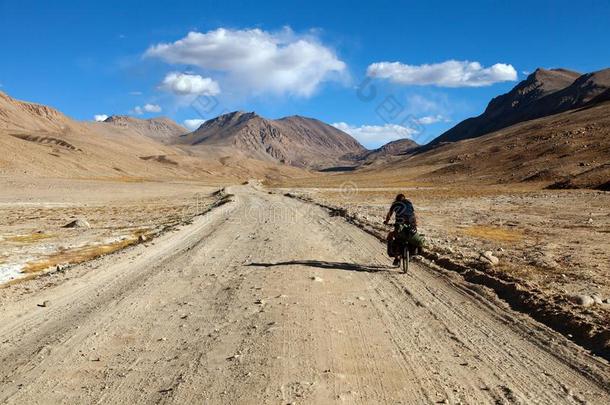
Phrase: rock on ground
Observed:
(583, 300)
(78, 223)
(488, 257)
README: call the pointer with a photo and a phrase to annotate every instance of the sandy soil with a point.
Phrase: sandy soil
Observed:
(269, 300)
(33, 214)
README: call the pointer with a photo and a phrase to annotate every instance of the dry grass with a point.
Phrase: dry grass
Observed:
(76, 256)
(492, 233)
(32, 238)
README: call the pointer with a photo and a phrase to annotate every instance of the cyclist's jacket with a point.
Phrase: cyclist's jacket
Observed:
(405, 213)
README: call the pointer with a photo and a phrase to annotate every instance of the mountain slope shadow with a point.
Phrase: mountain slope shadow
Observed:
(326, 265)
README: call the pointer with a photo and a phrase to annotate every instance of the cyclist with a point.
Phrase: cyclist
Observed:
(405, 221)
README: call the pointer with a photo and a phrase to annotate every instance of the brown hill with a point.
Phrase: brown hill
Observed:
(399, 147)
(566, 150)
(296, 141)
(161, 129)
(605, 96)
(543, 93)
(22, 115)
(37, 140)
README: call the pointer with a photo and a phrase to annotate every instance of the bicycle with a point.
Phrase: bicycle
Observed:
(401, 245)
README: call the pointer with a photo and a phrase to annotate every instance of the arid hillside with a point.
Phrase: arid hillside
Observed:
(40, 141)
(400, 147)
(543, 93)
(567, 150)
(570, 149)
(295, 141)
(161, 129)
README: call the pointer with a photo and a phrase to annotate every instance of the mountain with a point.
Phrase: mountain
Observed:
(391, 151)
(605, 96)
(161, 129)
(543, 93)
(37, 140)
(297, 141)
(565, 150)
(41, 141)
(394, 148)
(23, 115)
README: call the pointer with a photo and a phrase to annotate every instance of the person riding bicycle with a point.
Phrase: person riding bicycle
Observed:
(405, 221)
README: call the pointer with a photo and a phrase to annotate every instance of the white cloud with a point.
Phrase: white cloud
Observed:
(431, 119)
(154, 108)
(451, 73)
(376, 135)
(148, 108)
(193, 124)
(256, 61)
(100, 117)
(185, 84)
(135, 93)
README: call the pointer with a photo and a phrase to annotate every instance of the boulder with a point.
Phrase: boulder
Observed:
(582, 300)
(488, 257)
(78, 223)
(597, 299)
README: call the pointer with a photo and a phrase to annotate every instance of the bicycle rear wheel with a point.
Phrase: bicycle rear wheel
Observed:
(405, 259)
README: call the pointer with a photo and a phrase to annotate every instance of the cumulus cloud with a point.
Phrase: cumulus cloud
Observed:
(431, 119)
(100, 117)
(148, 108)
(154, 108)
(184, 84)
(256, 61)
(376, 135)
(451, 73)
(193, 124)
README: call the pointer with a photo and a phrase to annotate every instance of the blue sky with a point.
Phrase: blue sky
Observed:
(282, 58)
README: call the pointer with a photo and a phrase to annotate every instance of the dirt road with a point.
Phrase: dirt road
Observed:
(268, 300)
